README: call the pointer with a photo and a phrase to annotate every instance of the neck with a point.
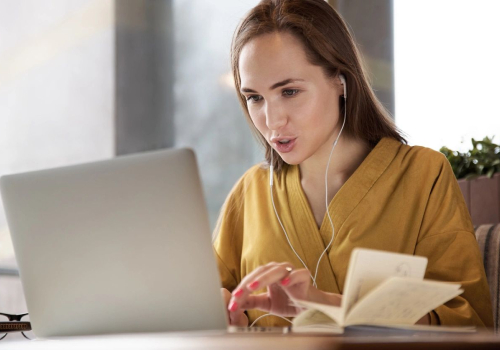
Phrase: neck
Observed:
(346, 158)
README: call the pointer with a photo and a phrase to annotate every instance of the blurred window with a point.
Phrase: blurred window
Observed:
(208, 116)
(56, 97)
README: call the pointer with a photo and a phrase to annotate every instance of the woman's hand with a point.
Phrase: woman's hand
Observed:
(237, 318)
(282, 283)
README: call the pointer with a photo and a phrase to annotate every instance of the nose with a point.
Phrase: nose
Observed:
(276, 117)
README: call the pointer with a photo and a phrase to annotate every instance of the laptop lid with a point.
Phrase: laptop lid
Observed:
(121, 245)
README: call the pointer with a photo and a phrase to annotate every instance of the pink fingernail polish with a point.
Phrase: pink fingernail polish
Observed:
(233, 306)
(238, 293)
(285, 281)
(254, 285)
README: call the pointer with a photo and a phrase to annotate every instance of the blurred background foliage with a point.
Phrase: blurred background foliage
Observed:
(482, 159)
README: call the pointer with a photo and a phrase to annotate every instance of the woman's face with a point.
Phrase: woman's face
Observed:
(292, 103)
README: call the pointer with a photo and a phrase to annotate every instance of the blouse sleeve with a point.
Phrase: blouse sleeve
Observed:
(228, 238)
(447, 239)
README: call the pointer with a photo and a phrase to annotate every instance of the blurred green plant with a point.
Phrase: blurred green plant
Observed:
(482, 159)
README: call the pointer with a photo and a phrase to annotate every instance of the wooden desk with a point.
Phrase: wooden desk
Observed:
(207, 340)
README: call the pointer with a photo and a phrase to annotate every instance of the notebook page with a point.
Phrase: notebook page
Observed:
(315, 321)
(334, 313)
(401, 301)
(368, 268)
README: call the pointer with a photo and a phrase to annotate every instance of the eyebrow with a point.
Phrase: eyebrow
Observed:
(274, 86)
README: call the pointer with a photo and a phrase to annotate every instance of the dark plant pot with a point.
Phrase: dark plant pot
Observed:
(482, 196)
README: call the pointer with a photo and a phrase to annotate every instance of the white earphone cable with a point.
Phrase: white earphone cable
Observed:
(271, 182)
(269, 314)
(313, 278)
(326, 196)
(283, 228)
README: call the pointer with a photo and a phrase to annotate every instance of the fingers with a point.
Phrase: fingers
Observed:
(237, 318)
(282, 284)
(259, 278)
(294, 279)
(260, 301)
(272, 275)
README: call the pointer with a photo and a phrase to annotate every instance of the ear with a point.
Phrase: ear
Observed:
(343, 82)
(338, 85)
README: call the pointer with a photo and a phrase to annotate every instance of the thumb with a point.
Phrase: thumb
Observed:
(238, 318)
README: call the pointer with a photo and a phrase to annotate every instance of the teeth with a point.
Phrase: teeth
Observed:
(284, 141)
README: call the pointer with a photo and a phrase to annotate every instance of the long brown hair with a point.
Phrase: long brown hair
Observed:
(329, 45)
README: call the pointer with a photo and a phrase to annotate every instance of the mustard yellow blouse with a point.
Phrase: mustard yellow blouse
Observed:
(400, 199)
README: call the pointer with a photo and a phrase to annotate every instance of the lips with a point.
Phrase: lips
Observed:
(283, 144)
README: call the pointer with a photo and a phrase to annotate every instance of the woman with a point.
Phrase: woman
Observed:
(299, 79)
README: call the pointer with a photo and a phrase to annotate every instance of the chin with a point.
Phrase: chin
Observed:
(291, 159)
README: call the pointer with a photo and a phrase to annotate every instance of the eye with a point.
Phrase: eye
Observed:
(290, 92)
(253, 98)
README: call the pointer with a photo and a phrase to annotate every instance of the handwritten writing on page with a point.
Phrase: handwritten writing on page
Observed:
(401, 301)
(369, 268)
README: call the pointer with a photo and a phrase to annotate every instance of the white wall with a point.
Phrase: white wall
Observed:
(447, 71)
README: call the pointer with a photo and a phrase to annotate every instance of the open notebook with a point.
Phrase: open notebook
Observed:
(381, 289)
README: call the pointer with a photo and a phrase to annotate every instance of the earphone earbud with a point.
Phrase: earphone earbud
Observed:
(342, 80)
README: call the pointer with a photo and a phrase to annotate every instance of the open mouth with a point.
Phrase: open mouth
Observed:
(285, 145)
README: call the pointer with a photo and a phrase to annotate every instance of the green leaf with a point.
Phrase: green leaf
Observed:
(490, 173)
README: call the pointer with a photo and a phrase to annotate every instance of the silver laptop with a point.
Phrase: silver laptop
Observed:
(116, 246)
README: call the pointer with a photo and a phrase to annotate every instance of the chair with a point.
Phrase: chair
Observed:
(488, 238)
